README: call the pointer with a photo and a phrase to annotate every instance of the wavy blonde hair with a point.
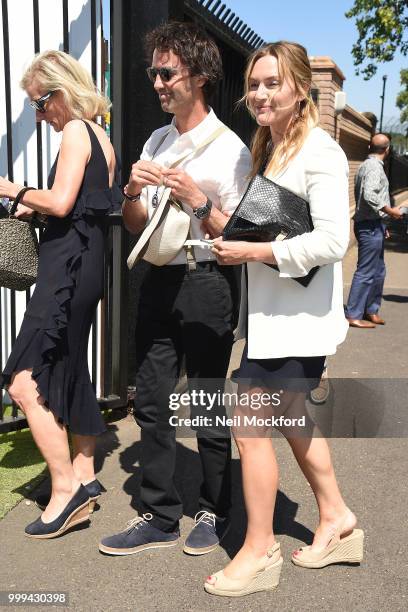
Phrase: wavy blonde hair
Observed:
(293, 66)
(58, 71)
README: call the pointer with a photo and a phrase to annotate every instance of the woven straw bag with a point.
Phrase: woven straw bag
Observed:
(18, 254)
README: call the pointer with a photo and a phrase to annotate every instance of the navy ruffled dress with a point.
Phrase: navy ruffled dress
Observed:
(53, 338)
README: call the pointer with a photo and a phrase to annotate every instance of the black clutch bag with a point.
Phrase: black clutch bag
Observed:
(269, 212)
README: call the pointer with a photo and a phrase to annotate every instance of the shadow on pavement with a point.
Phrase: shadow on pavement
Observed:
(399, 299)
(188, 479)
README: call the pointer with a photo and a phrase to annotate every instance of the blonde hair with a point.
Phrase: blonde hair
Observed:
(58, 71)
(293, 65)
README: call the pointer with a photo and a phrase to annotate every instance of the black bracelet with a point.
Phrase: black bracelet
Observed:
(18, 198)
(131, 197)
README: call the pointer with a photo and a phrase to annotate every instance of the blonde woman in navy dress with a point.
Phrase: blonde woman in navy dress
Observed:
(47, 372)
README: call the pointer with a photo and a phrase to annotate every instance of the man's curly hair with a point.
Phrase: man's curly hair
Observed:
(193, 46)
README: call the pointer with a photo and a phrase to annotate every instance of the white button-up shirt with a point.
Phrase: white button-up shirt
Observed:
(220, 170)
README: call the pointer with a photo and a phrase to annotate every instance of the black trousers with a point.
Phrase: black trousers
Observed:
(182, 315)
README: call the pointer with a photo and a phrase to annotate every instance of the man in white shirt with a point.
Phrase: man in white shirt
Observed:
(186, 309)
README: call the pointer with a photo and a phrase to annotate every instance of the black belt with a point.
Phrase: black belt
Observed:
(177, 269)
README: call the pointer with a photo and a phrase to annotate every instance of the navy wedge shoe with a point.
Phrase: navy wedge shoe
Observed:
(74, 513)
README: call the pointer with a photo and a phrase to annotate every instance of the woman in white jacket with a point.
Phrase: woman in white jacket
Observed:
(290, 328)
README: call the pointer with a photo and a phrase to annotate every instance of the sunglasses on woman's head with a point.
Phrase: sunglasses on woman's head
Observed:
(164, 73)
(39, 104)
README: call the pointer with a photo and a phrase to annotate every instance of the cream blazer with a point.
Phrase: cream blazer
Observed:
(283, 318)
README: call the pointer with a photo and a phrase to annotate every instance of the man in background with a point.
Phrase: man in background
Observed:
(372, 206)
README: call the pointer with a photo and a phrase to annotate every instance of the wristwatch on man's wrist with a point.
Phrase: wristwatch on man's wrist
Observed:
(202, 212)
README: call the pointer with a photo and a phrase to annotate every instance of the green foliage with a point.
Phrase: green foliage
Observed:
(402, 98)
(381, 26)
(399, 143)
(21, 468)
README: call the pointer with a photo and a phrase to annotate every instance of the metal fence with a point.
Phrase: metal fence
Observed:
(27, 151)
(398, 173)
(136, 111)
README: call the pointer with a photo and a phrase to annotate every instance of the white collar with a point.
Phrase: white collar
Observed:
(373, 156)
(195, 136)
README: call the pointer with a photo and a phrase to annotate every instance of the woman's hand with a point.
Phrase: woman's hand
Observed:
(8, 189)
(24, 212)
(234, 252)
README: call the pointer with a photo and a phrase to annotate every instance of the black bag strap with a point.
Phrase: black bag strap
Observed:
(18, 198)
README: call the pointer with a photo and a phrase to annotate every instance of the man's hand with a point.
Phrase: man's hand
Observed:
(183, 187)
(144, 173)
(394, 213)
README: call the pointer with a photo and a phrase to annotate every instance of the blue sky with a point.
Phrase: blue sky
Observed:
(320, 25)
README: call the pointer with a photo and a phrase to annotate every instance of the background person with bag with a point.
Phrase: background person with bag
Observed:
(47, 372)
(186, 306)
(290, 327)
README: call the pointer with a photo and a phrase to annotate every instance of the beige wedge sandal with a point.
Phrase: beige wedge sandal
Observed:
(264, 578)
(346, 549)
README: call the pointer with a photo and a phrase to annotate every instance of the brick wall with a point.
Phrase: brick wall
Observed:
(351, 129)
(354, 133)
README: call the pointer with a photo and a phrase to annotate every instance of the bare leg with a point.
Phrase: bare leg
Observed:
(52, 440)
(313, 456)
(260, 484)
(83, 457)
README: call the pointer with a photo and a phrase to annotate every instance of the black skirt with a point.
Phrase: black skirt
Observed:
(288, 373)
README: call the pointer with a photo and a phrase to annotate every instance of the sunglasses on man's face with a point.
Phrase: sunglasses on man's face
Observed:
(39, 104)
(164, 73)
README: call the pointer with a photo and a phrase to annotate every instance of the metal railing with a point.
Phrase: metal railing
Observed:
(236, 40)
(223, 23)
(110, 345)
(398, 172)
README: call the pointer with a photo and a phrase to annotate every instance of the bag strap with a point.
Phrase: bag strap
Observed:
(189, 250)
(18, 198)
(188, 247)
(222, 128)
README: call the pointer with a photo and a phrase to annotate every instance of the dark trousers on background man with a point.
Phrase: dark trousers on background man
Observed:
(368, 281)
(182, 314)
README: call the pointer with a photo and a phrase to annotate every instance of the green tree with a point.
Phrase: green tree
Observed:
(382, 27)
(402, 98)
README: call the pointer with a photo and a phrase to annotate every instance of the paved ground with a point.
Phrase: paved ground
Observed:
(372, 473)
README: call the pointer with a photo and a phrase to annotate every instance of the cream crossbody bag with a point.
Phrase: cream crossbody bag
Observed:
(168, 229)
